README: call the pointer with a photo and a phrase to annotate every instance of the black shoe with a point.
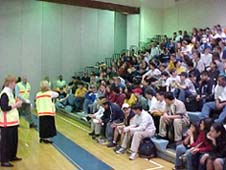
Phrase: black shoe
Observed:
(6, 164)
(16, 159)
(95, 136)
(111, 144)
(32, 125)
(91, 134)
(47, 141)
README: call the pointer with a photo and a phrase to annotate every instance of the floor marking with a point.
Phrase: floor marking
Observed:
(73, 124)
(155, 163)
(80, 168)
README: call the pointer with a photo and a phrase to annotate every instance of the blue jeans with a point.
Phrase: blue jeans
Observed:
(193, 161)
(180, 150)
(208, 107)
(86, 104)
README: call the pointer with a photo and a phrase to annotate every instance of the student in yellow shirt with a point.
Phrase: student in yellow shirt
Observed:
(79, 96)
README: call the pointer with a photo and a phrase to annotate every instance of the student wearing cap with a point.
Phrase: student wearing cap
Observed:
(219, 103)
(140, 98)
(128, 120)
(142, 127)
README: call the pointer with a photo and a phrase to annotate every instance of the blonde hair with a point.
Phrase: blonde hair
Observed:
(9, 79)
(44, 85)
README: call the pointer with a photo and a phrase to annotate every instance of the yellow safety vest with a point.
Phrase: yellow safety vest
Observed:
(24, 91)
(10, 118)
(44, 104)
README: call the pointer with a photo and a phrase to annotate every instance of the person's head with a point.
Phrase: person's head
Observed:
(104, 103)
(217, 130)
(80, 85)
(152, 65)
(10, 81)
(196, 55)
(160, 96)
(183, 76)
(60, 77)
(194, 127)
(221, 80)
(24, 79)
(44, 85)
(169, 98)
(204, 76)
(137, 108)
(126, 108)
(149, 93)
(137, 91)
(205, 124)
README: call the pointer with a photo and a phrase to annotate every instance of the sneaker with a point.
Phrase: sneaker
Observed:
(85, 119)
(121, 150)
(111, 144)
(133, 156)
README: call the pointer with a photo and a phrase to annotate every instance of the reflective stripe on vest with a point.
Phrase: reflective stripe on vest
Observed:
(44, 104)
(10, 118)
(24, 91)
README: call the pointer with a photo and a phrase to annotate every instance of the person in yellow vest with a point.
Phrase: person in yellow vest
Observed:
(22, 91)
(46, 112)
(9, 122)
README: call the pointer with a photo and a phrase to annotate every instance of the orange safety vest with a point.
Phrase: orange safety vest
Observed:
(10, 118)
(44, 104)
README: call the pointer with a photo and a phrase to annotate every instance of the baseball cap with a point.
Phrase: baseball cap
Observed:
(125, 105)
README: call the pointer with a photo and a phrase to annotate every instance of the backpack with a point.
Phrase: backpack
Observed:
(147, 148)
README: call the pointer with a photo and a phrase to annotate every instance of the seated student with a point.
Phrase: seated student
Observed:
(184, 88)
(215, 159)
(191, 136)
(112, 115)
(175, 115)
(96, 122)
(140, 98)
(128, 119)
(142, 127)
(90, 97)
(220, 101)
(79, 96)
(201, 146)
(205, 90)
(60, 82)
(157, 109)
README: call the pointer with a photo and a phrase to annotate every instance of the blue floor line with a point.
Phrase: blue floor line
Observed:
(78, 156)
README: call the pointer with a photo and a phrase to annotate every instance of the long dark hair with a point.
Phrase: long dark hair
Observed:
(207, 124)
(220, 128)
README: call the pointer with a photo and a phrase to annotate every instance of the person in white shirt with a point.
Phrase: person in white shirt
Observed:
(158, 108)
(172, 80)
(153, 72)
(143, 127)
(206, 57)
(219, 103)
(198, 63)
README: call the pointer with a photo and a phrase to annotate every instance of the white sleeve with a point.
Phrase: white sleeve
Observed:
(54, 94)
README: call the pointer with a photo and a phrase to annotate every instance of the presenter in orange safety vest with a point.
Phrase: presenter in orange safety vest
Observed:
(46, 112)
(9, 122)
(22, 91)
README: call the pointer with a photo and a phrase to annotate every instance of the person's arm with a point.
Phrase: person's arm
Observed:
(4, 103)
(17, 92)
(54, 94)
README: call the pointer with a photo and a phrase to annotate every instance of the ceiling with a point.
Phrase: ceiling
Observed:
(150, 3)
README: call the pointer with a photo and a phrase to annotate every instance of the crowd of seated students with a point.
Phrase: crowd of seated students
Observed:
(179, 74)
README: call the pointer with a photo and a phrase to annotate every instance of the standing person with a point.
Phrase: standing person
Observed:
(46, 112)
(22, 91)
(9, 121)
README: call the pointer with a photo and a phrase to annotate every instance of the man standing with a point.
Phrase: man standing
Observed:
(22, 91)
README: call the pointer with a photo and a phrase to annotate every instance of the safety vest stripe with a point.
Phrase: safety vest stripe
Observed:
(9, 123)
(45, 113)
(23, 91)
(42, 96)
(4, 119)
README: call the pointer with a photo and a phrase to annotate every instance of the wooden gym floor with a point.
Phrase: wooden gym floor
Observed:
(74, 149)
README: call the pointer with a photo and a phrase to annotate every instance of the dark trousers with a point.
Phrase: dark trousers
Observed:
(8, 143)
